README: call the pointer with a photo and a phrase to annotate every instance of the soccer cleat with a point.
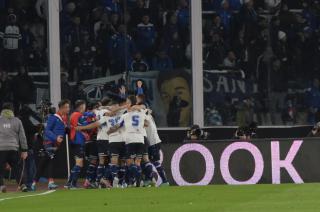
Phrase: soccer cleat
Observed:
(73, 187)
(124, 185)
(115, 183)
(23, 188)
(52, 186)
(67, 185)
(3, 189)
(33, 187)
(164, 184)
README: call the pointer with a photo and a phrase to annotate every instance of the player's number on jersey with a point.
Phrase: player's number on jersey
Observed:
(114, 122)
(135, 121)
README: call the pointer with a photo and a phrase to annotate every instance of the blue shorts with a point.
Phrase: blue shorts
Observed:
(154, 152)
(78, 151)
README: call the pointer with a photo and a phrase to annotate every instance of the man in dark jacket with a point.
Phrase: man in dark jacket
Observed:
(12, 140)
(22, 88)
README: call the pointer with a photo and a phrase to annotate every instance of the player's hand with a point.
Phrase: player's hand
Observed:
(77, 128)
(24, 155)
(59, 139)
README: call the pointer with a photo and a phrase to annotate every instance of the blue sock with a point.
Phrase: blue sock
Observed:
(122, 174)
(114, 171)
(133, 172)
(147, 170)
(107, 172)
(161, 171)
(75, 171)
(91, 172)
(138, 174)
(100, 171)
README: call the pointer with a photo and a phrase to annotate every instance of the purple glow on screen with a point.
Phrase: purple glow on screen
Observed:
(175, 164)
(255, 152)
(277, 164)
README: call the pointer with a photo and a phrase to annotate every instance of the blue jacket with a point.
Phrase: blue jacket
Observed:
(146, 36)
(55, 127)
(120, 45)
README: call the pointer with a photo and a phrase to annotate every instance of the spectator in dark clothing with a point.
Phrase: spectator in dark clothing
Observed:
(183, 14)
(215, 53)
(121, 47)
(146, 36)
(162, 62)
(170, 28)
(66, 91)
(215, 28)
(313, 102)
(30, 130)
(85, 54)
(226, 15)
(5, 88)
(138, 64)
(22, 88)
(79, 92)
(211, 5)
(113, 6)
(277, 83)
(138, 12)
(176, 51)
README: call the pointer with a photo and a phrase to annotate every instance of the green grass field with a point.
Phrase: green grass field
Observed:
(172, 199)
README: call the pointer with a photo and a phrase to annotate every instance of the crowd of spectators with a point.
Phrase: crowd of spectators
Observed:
(275, 42)
(109, 37)
(277, 45)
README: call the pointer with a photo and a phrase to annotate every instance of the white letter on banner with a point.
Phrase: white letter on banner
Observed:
(258, 159)
(175, 164)
(277, 164)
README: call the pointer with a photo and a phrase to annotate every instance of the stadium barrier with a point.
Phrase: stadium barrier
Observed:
(267, 161)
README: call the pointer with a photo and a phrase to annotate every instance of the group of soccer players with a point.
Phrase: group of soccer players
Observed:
(119, 139)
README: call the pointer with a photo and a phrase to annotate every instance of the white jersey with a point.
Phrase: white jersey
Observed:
(152, 132)
(102, 130)
(110, 122)
(134, 126)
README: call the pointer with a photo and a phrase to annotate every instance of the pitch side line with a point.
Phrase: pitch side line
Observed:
(31, 195)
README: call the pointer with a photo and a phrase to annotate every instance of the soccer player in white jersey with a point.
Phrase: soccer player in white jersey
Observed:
(155, 147)
(133, 122)
(102, 139)
(146, 165)
(117, 149)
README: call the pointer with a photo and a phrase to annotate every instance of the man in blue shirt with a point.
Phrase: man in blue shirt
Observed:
(146, 35)
(225, 15)
(54, 134)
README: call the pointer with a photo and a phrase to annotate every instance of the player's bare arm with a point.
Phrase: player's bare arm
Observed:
(113, 129)
(88, 127)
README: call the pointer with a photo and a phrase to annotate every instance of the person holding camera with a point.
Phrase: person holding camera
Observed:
(195, 133)
(315, 132)
(12, 141)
